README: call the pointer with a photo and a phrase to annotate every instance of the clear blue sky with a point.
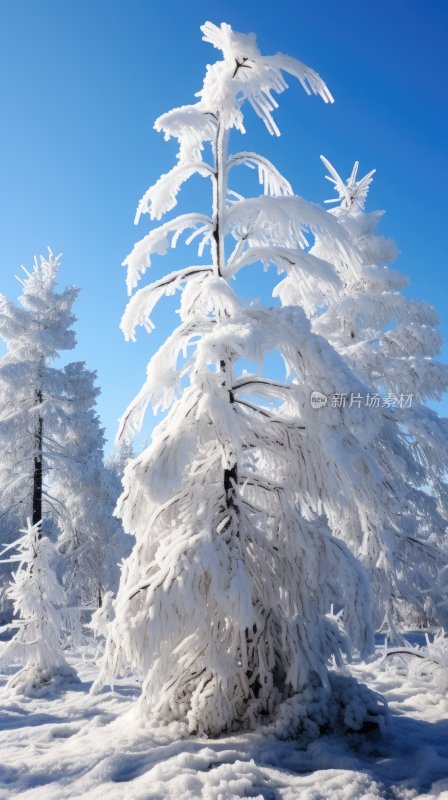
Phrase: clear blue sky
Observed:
(81, 82)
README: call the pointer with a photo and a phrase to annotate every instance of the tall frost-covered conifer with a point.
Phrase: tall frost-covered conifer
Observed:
(34, 332)
(223, 606)
(50, 437)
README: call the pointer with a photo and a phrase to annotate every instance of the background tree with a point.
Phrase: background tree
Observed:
(51, 468)
(34, 332)
(39, 601)
(391, 342)
(90, 538)
(223, 606)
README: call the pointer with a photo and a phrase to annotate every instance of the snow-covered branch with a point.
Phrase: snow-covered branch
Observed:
(162, 196)
(139, 309)
(160, 239)
(270, 178)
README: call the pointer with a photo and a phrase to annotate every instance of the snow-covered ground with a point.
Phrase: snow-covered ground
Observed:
(73, 745)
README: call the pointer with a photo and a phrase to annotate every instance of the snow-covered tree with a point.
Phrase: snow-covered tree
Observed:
(404, 520)
(39, 601)
(34, 332)
(51, 442)
(391, 339)
(391, 342)
(90, 539)
(224, 604)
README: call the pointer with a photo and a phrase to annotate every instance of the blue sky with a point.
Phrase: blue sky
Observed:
(83, 80)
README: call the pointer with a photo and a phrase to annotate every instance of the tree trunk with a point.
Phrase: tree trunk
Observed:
(219, 203)
(37, 470)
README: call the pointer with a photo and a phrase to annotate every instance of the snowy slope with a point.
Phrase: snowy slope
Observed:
(74, 745)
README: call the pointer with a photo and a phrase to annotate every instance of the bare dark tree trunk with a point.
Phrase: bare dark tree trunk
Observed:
(38, 466)
(219, 199)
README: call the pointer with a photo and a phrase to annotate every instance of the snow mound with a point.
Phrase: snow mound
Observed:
(349, 707)
(35, 681)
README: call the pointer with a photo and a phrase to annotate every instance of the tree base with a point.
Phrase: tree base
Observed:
(344, 706)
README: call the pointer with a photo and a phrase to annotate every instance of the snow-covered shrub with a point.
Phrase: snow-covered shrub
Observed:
(427, 664)
(38, 600)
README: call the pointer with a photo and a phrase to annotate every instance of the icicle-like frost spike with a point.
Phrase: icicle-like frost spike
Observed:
(270, 178)
(352, 193)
